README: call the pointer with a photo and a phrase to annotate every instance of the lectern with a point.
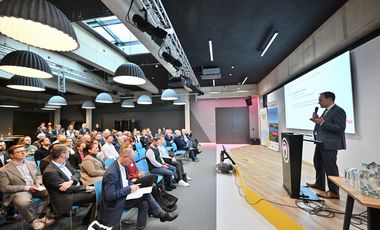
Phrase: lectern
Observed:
(291, 146)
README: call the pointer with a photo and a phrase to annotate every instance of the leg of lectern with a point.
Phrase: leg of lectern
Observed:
(348, 213)
(373, 220)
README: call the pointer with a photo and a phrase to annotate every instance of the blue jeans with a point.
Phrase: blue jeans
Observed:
(166, 173)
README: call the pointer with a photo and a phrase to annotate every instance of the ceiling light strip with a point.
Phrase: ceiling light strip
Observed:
(245, 79)
(211, 50)
(269, 43)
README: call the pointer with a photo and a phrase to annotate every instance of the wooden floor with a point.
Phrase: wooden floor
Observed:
(261, 169)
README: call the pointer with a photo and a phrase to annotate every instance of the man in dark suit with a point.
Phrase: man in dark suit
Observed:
(63, 184)
(329, 130)
(116, 187)
(4, 156)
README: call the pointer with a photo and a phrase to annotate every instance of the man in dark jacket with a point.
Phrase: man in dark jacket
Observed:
(63, 184)
(115, 189)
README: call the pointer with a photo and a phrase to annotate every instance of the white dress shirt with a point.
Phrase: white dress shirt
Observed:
(64, 169)
(108, 152)
(123, 175)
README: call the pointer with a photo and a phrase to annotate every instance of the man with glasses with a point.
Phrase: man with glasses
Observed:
(19, 182)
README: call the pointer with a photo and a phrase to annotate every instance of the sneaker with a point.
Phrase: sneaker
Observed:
(37, 224)
(188, 178)
(183, 183)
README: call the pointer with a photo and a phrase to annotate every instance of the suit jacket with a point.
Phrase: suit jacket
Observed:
(75, 159)
(112, 202)
(6, 159)
(44, 163)
(12, 182)
(61, 202)
(92, 170)
(180, 142)
(331, 132)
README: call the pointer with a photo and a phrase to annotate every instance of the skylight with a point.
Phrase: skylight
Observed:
(113, 30)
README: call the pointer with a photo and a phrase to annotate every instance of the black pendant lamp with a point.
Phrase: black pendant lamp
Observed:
(38, 23)
(25, 83)
(129, 74)
(25, 63)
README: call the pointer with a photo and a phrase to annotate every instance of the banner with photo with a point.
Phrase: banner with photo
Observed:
(273, 125)
(264, 134)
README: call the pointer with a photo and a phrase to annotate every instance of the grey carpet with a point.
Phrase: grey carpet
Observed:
(196, 204)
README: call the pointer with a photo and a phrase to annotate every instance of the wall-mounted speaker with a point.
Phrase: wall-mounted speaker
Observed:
(248, 101)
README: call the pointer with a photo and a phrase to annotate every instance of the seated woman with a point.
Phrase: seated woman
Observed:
(76, 158)
(92, 168)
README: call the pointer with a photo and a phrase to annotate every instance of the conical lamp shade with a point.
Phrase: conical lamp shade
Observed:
(129, 74)
(104, 98)
(25, 83)
(57, 100)
(127, 104)
(38, 23)
(9, 103)
(26, 63)
(169, 95)
(88, 105)
(144, 100)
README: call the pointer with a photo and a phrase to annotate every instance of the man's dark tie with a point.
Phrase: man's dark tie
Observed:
(324, 112)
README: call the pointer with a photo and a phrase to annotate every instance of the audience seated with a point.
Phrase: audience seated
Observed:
(40, 136)
(177, 163)
(63, 184)
(115, 188)
(60, 139)
(43, 151)
(158, 166)
(76, 158)
(182, 145)
(27, 143)
(92, 167)
(70, 132)
(19, 182)
(84, 130)
(108, 151)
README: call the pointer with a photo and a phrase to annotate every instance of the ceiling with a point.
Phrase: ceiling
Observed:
(237, 29)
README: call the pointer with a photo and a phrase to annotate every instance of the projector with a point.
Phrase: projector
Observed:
(210, 73)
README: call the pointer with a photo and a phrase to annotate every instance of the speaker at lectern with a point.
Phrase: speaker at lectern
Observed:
(291, 147)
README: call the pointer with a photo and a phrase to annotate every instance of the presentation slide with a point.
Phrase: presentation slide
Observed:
(301, 95)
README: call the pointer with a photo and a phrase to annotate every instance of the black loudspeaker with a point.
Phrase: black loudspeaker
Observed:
(248, 101)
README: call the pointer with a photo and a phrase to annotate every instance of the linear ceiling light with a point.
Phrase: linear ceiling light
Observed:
(104, 98)
(144, 100)
(9, 103)
(245, 79)
(25, 63)
(25, 83)
(211, 50)
(129, 74)
(269, 43)
(38, 23)
(213, 82)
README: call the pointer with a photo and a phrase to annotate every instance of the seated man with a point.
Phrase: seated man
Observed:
(63, 184)
(177, 163)
(158, 166)
(108, 151)
(182, 145)
(43, 151)
(115, 188)
(19, 182)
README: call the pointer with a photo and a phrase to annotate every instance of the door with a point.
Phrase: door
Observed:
(232, 125)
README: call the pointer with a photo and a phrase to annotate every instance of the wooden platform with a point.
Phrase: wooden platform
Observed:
(261, 171)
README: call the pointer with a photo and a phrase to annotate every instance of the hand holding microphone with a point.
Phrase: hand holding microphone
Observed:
(315, 114)
(315, 118)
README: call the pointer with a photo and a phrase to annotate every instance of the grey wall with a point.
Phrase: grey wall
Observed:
(362, 146)
(202, 115)
(146, 116)
(6, 120)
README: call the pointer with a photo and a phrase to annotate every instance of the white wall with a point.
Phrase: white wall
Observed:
(362, 146)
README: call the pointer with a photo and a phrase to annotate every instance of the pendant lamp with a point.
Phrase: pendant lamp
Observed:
(104, 98)
(38, 23)
(57, 100)
(88, 105)
(25, 83)
(127, 104)
(144, 100)
(169, 95)
(129, 74)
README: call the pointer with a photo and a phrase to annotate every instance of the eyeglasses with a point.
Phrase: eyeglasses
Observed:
(20, 151)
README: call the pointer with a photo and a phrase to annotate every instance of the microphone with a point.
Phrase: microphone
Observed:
(316, 110)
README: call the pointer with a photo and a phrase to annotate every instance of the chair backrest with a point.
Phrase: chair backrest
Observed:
(174, 146)
(107, 163)
(138, 146)
(38, 166)
(137, 156)
(142, 153)
(142, 165)
(98, 189)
